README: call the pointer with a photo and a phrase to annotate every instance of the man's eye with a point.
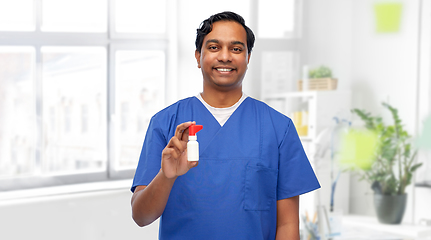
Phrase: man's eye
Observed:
(212, 47)
(237, 49)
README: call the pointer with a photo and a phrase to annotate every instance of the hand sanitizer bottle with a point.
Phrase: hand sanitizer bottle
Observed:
(192, 144)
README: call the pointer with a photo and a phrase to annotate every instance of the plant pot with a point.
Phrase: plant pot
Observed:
(390, 208)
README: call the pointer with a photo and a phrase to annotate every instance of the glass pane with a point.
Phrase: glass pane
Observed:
(281, 12)
(74, 16)
(193, 12)
(74, 109)
(278, 70)
(17, 15)
(140, 16)
(17, 111)
(139, 85)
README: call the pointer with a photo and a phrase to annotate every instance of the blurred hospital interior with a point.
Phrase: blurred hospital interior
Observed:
(80, 81)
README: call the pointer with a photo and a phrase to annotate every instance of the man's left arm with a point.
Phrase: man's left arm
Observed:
(288, 219)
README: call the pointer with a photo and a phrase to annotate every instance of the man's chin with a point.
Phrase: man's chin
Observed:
(225, 87)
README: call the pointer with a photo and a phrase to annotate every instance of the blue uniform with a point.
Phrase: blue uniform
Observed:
(255, 159)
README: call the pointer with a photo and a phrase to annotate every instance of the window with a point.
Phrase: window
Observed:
(137, 16)
(284, 15)
(17, 15)
(138, 97)
(17, 111)
(63, 81)
(74, 78)
(278, 34)
(61, 16)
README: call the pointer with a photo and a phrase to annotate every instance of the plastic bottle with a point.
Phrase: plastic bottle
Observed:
(192, 144)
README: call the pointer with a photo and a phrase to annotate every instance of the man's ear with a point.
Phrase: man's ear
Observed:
(198, 58)
(248, 58)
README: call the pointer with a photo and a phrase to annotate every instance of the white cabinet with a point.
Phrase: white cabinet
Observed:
(323, 108)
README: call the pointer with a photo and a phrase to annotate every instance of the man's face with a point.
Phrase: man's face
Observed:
(224, 56)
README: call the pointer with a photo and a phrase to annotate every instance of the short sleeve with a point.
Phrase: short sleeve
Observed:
(296, 176)
(151, 153)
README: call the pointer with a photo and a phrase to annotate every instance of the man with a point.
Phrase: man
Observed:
(252, 166)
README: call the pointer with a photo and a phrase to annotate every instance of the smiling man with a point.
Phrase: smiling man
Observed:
(223, 58)
(252, 165)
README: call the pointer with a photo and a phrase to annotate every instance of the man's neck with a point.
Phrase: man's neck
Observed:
(219, 99)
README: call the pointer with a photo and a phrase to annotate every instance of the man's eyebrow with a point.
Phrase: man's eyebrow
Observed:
(217, 41)
(237, 42)
(211, 41)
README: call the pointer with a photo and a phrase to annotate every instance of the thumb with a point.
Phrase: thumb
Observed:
(193, 164)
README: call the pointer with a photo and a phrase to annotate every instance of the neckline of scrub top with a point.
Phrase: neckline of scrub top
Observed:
(213, 127)
(234, 107)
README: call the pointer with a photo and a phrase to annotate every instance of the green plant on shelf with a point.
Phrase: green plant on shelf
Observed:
(320, 72)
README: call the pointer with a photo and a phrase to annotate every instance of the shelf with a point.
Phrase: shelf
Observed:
(308, 94)
(425, 184)
(306, 138)
(370, 228)
(304, 94)
(321, 107)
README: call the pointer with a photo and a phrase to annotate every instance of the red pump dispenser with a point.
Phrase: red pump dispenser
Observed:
(193, 129)
(193, 145)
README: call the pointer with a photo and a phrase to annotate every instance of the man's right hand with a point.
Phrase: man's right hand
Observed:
(149, 202)
(174, 156)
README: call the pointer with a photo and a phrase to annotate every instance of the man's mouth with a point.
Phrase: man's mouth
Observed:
(224, 69)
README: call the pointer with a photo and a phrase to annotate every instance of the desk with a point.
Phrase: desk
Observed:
(364, 227)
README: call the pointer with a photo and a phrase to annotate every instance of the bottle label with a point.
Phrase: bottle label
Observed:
(193, 151)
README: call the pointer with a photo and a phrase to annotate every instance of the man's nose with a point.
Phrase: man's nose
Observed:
(224, 55)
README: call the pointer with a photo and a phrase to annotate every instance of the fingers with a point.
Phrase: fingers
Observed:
(175, 147)
(178, 142)
(182, 130)
(170, 153)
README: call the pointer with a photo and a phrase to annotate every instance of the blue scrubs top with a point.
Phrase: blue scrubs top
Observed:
(255, 159)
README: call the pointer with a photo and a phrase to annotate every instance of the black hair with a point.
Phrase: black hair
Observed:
(207, 24)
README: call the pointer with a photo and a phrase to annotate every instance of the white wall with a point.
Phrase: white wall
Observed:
(385, 64)
(376, 67)
(100, 215)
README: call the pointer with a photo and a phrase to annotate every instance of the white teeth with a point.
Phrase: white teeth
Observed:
(224, 69)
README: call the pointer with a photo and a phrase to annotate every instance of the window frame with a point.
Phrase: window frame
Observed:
(113, 116)
(297, 27)
(111, 42)
(290, 43)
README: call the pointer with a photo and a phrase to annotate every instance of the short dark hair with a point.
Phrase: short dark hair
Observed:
(207, 24)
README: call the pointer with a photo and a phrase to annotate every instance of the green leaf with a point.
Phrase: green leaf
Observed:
(415, 167)
(320, 72)
(393, 154)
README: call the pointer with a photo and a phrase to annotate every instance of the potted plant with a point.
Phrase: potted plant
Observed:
(320, 72)
(391, 167)
(319, 78)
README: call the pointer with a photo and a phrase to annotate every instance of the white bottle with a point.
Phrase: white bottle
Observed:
(192, 144)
